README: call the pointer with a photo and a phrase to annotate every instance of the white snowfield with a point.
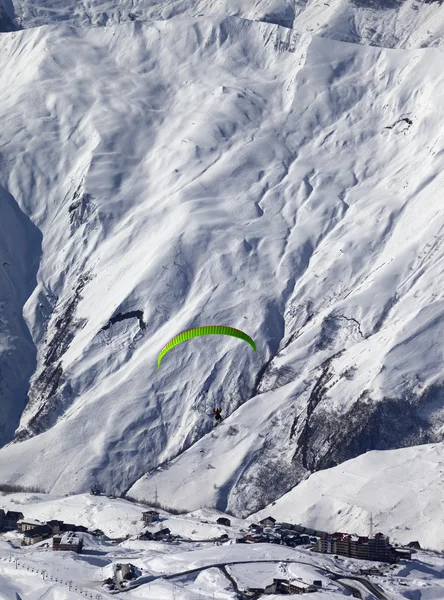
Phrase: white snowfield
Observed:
(183, 569)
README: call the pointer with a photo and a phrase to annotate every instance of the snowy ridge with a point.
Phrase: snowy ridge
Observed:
(386, 23)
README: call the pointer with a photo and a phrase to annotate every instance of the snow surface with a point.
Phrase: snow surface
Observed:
(401, 489)
(229, 171)
(202, 168)
(186, 570)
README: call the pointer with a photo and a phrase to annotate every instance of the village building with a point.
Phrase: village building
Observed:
(150, 516)
(268, 522)
(224, 521)
(284, 586)
(72, 527)
(362, 547)
(27, 524)
(36, 534)
(415, 545)
(98, 533)
(162, 534)
(68, 541)
(370, 571)
(405, 553)
(125, 572)
(298, 587)
(55, 525)
(292, 540)
(11, 519)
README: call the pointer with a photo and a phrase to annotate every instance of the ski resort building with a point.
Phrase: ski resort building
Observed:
(11, 519)
(69, 541)
(150, 516)
(27, 524)
(36, 534)
(268, 522)
(363, 547)
(162, 534)
(283, 586)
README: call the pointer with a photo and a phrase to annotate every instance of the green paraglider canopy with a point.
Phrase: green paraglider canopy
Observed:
(198, 331)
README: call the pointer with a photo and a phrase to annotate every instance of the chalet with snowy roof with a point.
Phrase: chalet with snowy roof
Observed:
(150, 516)
(27, 524)
(224, 521)
(268, 522)
(284, 586)
(256, 528)
(11, 519)
(36, 534)
(415, 545)
(162, 534)
(126, 571)
(68, 541)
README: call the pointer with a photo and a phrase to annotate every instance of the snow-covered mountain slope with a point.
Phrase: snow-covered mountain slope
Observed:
(116, 517)
(388, 23)
(34, 13)
(199, 171)
(402, 489)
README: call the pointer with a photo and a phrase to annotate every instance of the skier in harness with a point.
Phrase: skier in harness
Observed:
(217, 415)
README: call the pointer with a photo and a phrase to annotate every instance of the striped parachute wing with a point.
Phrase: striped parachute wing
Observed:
(199, 331)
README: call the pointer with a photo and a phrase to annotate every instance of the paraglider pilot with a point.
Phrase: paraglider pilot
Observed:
(217, 415)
